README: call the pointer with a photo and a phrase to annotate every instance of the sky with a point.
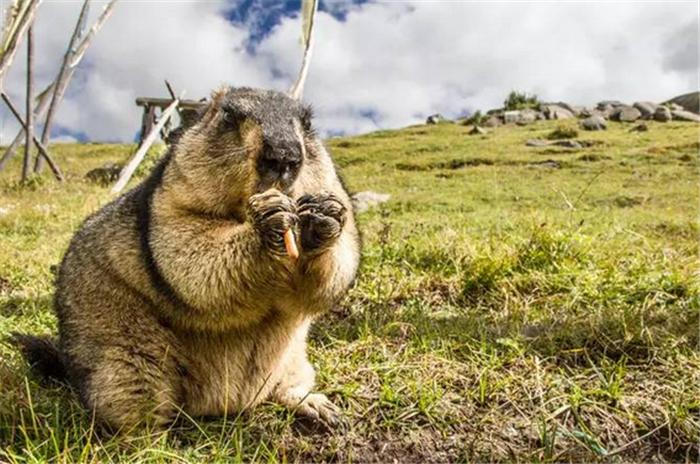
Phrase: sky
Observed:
(376, 65)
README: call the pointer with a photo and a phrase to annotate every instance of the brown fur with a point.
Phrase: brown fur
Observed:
(206, 313)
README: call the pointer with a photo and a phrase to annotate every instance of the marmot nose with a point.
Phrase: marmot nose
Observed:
(281, 163)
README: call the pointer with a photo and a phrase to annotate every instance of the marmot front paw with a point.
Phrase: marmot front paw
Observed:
(321, 219)
(272, 214)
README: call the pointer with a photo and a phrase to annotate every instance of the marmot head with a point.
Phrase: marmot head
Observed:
(246, 141)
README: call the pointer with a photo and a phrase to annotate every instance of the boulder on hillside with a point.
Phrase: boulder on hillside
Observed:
(605, 103)
(646, 108)
(626, 113)
(689, 101)
(434, 119)
(362, 201)
(682, 115)
(593, 123)
(511, 116)
(554, 111)
(492, 121)
(576, 110)
(528, 116)
(662, 114)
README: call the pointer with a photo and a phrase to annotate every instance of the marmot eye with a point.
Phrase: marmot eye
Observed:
(305, 118)
(232, 119)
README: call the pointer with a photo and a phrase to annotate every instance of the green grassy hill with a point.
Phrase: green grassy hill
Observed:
(514, 303)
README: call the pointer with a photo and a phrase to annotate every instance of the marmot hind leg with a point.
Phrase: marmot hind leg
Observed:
(134, 387)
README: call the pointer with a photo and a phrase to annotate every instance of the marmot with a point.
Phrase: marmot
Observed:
(179, 295)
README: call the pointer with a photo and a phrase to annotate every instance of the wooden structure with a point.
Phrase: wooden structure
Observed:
(187, 110)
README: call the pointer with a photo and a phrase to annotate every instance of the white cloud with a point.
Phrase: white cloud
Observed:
(385, 65)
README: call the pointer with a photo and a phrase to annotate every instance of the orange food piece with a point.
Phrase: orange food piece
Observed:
(290, 244)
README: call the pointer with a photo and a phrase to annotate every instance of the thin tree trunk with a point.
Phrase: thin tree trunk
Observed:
(71, 60)
(30, 106)
(37, 142)
(8, 53)
(129, 169)
(62, 74)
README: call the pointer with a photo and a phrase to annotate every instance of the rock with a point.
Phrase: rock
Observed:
(105, 174)
(567, 144)
(536, 143)
(626, 113)
(476, 130)
(511, 116)
(640, 128)
(689, 101)
(573, 109)
(362, 201)
(662, 114)
(493, 121)
(683, 115)
(528, 116)
(556, 112)
(606, 103)
(595, 122)
(434, 119)
(647, 109)
(674, 107)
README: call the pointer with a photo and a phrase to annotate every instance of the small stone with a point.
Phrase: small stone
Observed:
(536, 143)
(595, 122)
(362, 201)
(640, 128)
(568, 144)
(476, 130)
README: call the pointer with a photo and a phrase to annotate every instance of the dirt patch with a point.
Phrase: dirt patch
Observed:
(692, 147)
(625, 201)
(451, 164)
(347, 144)
(593, 157)
(5, 286)
(548, 164)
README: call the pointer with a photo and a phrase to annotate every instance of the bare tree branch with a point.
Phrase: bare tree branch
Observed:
(308, 13)
(129, 169)
(42, 104)
(62, 74)
(13, 34)
(37, 142)
(29, 105)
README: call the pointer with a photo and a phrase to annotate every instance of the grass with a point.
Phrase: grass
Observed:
(514, 303)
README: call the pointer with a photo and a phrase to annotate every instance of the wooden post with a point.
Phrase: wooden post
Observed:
(129, 169)
(149, 117)
(30, 105)
(37, 142)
